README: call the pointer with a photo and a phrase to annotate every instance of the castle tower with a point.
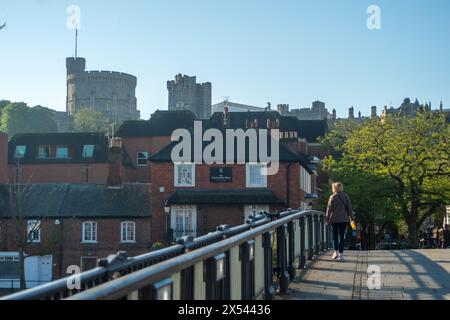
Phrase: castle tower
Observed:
(334, 114)
(113, 94)
(283, 109)
(351, 113)
(373, 113)
(186, 94)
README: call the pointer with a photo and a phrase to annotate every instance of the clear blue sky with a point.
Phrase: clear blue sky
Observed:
(253, 51)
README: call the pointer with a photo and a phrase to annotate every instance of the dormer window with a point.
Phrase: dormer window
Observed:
(53, 152)
(88, 151)
(62, 152)
(20, 152)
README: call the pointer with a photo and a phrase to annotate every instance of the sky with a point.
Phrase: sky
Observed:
(252, 51)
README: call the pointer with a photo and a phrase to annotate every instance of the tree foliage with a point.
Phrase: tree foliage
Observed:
(411, 154)
(17, 118)
(88, 120)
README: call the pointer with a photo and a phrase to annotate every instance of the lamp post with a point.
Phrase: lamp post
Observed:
(167, 213)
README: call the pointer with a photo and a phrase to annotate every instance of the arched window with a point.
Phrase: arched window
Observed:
(128, 231)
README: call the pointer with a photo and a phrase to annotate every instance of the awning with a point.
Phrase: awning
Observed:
(225, 196)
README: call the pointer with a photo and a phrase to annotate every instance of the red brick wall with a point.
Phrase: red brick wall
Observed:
(136, 144)
(163, 176)
(60, 173)
(108, 236)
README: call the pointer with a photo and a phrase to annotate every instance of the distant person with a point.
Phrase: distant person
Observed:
(339, 213)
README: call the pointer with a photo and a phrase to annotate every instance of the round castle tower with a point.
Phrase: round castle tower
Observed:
(111, 93)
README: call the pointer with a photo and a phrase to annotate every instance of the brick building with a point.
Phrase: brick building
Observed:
(192, 199)
(59, 158)
(77, 223)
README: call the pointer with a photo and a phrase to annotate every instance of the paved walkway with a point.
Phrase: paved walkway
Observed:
(405, 275)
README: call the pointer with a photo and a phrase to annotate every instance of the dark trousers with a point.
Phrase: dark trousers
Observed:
(339, 235)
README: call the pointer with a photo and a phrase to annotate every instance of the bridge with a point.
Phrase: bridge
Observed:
(272, 256)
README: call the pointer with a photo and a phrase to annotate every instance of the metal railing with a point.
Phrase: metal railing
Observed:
(250, 261)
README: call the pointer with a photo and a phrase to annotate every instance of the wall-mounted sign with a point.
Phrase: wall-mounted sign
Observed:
(220, 174)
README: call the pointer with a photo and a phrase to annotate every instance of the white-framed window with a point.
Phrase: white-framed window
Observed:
(142, 158)
(34, 230)
(254, 209)
(305, 180)
(256, 175)
(128, 231)
(20, 152)
(89, 232)
(184, 220)
(184, 174)
(88, 151)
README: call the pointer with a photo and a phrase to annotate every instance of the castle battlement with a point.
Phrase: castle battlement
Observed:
(102, 75)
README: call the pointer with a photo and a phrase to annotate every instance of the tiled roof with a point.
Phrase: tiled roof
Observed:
(161, 123)
(79, 200)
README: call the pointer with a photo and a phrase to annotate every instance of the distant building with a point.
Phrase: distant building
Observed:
(186, 94)
(111, 93)
(234, 107)
(317, 112)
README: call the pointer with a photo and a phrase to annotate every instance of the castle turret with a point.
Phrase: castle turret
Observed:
(75, 65)
(373, 113)
(351, 113)
(283, 109)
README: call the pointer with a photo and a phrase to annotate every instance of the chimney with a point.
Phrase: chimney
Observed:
(3, 158)
(225, 117)
(115, 157)
(373, 113)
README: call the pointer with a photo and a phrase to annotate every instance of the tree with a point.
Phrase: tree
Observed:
(88, 120)
(411, 153)
(25, 230)
(19, 118)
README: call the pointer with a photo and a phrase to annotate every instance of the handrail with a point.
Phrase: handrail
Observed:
(178, 257)
(118, 288)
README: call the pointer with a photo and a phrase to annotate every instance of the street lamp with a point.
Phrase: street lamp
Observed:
(167, 212)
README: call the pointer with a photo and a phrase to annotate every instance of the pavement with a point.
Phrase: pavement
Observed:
(391, 275)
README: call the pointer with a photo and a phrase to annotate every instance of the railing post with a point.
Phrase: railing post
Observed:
(269, 290)
(283, 275)
(322, 233)
(310, 237)
(291, 253)
(302, 243)
(216, 272)
(316, 234)
(248, 270)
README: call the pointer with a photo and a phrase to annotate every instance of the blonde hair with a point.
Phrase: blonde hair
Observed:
(337, 187)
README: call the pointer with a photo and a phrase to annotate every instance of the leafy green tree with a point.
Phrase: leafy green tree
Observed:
(88, 120)
(19, 118)
(411, 153)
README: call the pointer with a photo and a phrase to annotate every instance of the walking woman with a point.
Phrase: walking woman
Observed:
(339, 213)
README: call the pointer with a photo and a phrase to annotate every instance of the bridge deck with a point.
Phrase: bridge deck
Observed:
(405, 274)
